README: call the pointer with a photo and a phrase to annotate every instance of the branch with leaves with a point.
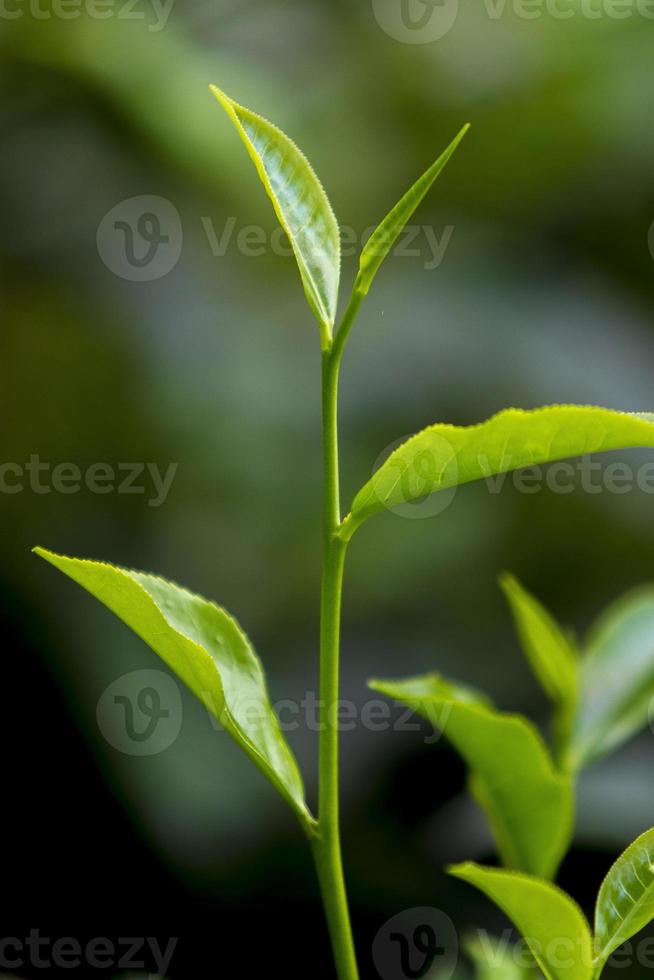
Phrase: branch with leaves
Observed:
(552, 924)
(601, 692)
(209, 651)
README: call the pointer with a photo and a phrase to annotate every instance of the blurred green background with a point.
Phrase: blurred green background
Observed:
(544, 294)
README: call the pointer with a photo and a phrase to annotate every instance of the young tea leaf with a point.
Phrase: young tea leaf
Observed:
(208, 651)
(546, 647)
(444, 456)
(300, 204)
(529, 805)
(553, 926)
(617, 677)
(625, 903)
(549, 651)
(385, 235)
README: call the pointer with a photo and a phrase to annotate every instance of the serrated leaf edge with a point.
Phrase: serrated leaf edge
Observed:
(602, 956)
(231, 107)
(235, 729)
(454, 869)
(348, 526)
(505, 847)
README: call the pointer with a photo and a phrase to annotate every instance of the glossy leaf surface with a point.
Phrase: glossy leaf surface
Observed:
(625, 903)
(300, 204)
(443, 455)
(529, 804)
(207, 650)
(617, 677)
(551, 923)
(385, 235)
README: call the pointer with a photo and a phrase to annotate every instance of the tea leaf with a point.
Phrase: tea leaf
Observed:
(617, 677)
(385, 235)
(444, 456)
(625, 903)
(553, 926)
(208, 651)
(549, 651)
(300, 203)
(529, 805)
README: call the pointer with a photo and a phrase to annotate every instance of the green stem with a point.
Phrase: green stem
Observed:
(327, 844)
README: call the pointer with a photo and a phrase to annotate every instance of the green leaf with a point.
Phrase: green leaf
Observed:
(553, 926)
(617, 677)
(529, 805)
(385, 235)
(625, 903)
(300, 204)
(497, 959)
(549, 651)
(547, 648)
(444, 456)
(208, 651)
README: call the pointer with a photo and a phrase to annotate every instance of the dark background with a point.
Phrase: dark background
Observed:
(544, 295)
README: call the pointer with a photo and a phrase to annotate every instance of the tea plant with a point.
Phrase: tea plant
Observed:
(554, 927)
(602, 691)
(203, 644)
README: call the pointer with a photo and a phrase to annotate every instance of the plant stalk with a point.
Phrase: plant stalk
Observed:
(327, 843)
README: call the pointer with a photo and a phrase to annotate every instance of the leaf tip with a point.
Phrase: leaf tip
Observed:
(376, 684)
(218, 93)
(507, 582)
(459, 136)
(50, 556)
(462, 870)
(224, 100)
